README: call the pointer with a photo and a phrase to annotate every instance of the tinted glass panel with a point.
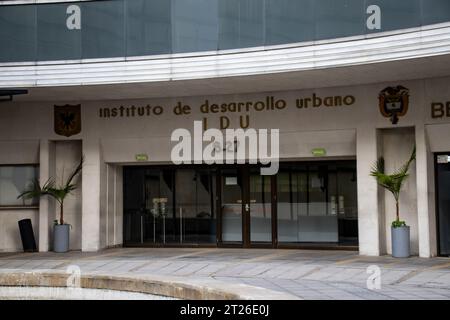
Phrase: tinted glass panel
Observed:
(231, 192)
(13, 181)
(194, 25)
(195, 205)
(289, 21)
(103, 29)
(228, 24)
(443, 205)
(169, 205)
(118, 28)
(317, 203)
(251, 23)
(148, 206)
(148, 27)
(260, 207)
(435, 11)
(292, 202)
(338, 18)
(241, 23)
(398, 14)
(54, 39)
(17, 33)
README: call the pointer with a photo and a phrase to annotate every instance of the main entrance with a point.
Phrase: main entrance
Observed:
(247, 207)
(235, 206)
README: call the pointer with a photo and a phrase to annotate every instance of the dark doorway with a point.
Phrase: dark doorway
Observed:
(443, 202)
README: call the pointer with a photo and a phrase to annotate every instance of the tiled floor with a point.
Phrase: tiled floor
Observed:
(304, 273)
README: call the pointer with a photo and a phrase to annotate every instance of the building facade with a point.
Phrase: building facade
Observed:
(344, 82)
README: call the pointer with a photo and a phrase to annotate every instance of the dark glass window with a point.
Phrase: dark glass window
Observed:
(317, 202)
(435, 11)
(103, 29)
(195, 205)
(17, 33)
(241, 23)
(398, 14)
(341, 18)
(120, 28)
(194, 25)
(169, 205)
(443, 204)
(54, 40)
(13, 181)
(289, 21)
(148, 27)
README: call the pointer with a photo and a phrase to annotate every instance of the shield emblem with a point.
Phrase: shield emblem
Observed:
(67, 120)
(393, 102)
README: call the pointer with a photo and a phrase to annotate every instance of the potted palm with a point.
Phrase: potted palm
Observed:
(400, 233)
(61, 230)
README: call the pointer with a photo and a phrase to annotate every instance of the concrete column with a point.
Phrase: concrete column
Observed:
(368, 207)
(90, 235)
(426, 214)
(46, 204)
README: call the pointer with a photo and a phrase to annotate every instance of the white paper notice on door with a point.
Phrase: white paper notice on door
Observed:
(443, 159)
(231, 181)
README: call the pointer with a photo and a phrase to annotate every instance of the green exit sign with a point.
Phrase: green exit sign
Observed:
(141, 157)
(319, 152)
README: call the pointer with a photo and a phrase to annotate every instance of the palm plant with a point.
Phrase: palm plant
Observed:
(393, 182)
(58, 192)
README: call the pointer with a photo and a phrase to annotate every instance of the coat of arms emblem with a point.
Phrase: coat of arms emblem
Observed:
(394, 102)
(67, 120)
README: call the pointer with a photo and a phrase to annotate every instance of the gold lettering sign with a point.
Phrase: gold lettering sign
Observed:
(225, 110)
(440, 110)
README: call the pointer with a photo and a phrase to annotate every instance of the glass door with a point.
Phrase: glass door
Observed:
(260, 200)
(232, 194)
(246, 207)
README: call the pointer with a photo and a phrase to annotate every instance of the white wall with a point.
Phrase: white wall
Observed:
(9, 230)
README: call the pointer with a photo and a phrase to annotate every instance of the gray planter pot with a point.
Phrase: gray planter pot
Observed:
(400, 242)
(61, 237)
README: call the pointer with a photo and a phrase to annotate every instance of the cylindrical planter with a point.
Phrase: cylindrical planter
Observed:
(61, 237)
(400, 242)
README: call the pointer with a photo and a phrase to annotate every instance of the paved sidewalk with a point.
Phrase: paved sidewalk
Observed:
(303, 273)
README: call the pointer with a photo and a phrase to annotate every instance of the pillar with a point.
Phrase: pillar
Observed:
(426, 214)
(368, 206)
(46, 204)
(90, 235)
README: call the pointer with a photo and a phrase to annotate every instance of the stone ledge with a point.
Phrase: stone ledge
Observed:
(180, 288)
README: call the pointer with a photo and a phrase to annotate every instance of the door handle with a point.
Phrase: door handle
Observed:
(247, 207)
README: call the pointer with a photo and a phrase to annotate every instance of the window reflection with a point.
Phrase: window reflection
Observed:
(118, 28)
(231, 192)
(317, 203)
(194, 25)
(13, 181)
(169, 205)
(260, 207)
